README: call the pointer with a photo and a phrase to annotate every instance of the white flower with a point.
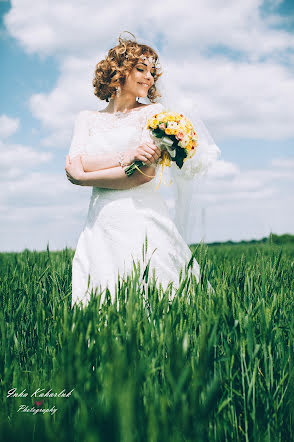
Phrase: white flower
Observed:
(172, 125)
(184, 141)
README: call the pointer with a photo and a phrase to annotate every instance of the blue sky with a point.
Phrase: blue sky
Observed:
(235, 62)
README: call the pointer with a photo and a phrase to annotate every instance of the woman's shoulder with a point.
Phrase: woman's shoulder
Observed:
(102, 112)
(154, 107)
(84, 113)
(82, 116)
(96, 117)
(159, 105)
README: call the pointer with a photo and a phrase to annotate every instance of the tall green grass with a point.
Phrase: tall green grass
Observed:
(207, 366)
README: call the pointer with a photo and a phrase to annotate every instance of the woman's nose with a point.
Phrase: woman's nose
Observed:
(148, 76)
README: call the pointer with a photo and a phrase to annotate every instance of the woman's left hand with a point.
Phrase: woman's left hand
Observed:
(74, 170)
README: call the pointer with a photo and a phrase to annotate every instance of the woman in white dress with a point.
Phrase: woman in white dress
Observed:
(123, 209)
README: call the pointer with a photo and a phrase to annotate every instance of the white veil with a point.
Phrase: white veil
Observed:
(182, 193)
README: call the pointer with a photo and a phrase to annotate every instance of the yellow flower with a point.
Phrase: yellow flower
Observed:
(168, 131)
(160, 116)
(154, 123)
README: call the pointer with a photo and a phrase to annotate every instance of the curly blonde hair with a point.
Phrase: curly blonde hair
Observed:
(111, 71)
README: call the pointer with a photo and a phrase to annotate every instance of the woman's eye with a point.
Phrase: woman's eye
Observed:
(152, 73)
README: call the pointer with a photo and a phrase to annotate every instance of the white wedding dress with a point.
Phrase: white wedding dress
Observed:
(117, 221)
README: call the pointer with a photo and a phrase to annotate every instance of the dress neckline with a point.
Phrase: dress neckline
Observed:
(120, 113)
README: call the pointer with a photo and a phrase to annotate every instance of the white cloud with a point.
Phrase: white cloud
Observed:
(39, 189)
(33, 226)
(283, 163)
(58, 109)
(8, 126)
(245, 205)
(253, 219)
(235, 99)
(39, 207)
(16, 160)
(249, 94)
(238, 204)
(236, 184)
(48, 28)
(223, 169)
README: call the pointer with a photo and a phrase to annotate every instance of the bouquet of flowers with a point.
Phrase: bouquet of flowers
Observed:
(176, 137)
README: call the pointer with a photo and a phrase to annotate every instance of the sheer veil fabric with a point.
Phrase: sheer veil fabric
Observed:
(184, 186)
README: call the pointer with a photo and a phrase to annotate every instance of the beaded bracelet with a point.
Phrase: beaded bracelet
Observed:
(121, 160)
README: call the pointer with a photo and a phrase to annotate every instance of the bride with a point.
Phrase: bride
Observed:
(124, 211)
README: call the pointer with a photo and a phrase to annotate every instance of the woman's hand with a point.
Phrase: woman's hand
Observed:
(146, 152)
(74, 170)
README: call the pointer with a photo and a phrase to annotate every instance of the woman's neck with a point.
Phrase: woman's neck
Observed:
(122, 104)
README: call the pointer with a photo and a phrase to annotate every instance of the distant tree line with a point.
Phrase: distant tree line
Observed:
(286, 238)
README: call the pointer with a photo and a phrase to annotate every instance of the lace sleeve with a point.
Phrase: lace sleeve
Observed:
(80, 135)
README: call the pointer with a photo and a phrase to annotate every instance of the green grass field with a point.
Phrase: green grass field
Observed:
(204, 367)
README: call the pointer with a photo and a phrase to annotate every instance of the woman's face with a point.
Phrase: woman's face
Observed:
(139, 79)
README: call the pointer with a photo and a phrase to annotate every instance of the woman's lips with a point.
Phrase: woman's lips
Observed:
(144, 84)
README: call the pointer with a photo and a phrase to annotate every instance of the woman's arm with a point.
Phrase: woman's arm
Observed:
(113, 178)
(116, 178)
(92, 163)
(146, 152)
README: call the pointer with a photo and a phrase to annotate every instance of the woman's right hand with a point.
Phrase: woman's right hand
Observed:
(146, 152)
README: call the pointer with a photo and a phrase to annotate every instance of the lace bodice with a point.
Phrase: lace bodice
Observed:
(100, 132)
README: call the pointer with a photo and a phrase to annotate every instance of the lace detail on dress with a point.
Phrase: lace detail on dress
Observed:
(118, 119)
(80, 134)
(99, 132)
